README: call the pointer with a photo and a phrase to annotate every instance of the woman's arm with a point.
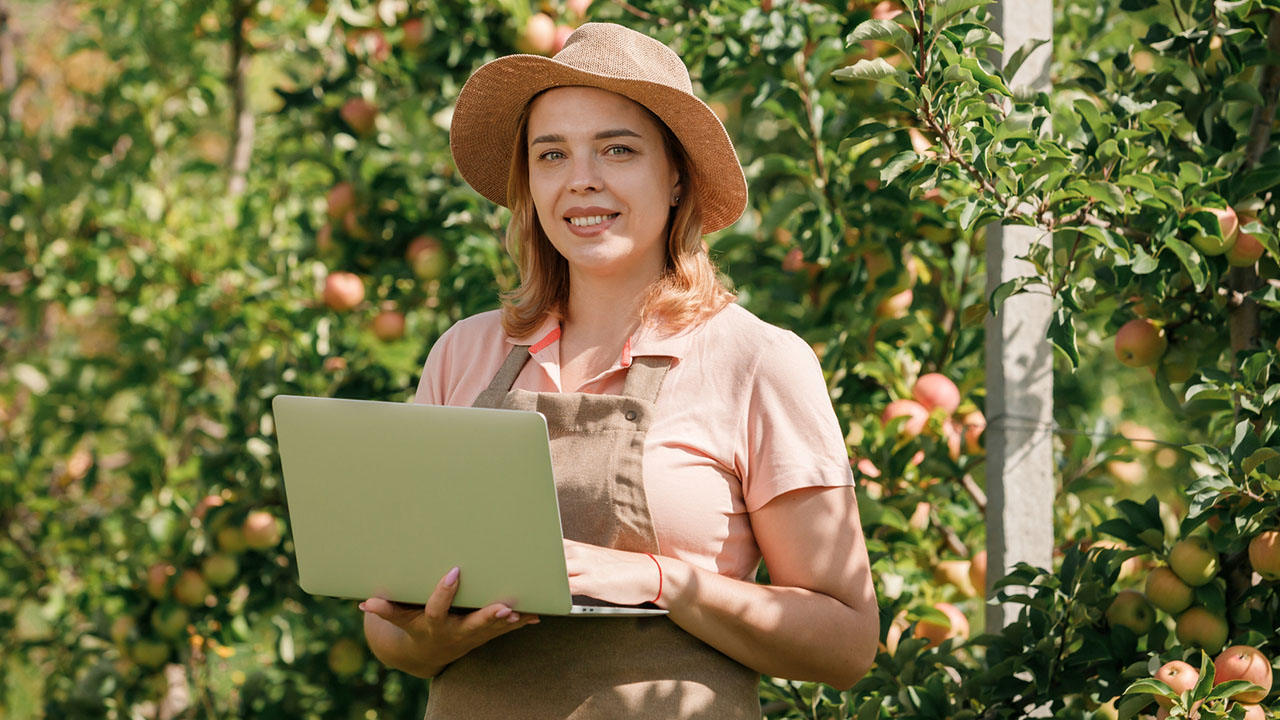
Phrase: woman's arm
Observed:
(817, 621)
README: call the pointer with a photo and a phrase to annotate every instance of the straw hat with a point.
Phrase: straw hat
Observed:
(610, 57)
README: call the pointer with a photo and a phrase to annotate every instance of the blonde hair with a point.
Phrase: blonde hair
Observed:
(687, 292)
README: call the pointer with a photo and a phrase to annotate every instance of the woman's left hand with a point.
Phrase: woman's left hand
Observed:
(616, 576)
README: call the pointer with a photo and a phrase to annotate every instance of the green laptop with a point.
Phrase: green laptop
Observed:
(384, 498)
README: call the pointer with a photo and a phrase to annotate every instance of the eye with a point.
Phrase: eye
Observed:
(547, 155)
(625, 150)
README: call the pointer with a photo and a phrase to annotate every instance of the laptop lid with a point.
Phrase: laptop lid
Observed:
(384, 498)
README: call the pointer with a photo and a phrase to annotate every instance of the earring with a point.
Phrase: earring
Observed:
(676, 201)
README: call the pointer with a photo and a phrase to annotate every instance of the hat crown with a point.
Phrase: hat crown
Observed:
(617, 51)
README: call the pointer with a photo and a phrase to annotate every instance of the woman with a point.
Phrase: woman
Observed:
(689, 438)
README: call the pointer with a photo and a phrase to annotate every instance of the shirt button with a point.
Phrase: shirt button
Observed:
(631, 415)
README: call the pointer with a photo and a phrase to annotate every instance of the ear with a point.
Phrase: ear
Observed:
(676, 192)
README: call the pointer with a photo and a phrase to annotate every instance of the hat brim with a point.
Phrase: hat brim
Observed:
(482, 132)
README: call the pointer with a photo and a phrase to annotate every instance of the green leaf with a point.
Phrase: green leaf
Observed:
(1257, 180)
(1132, 705)
(1010, 287)
(985, 80)
(884, 30)
(1020, 56)
(1062, 333)
(945, 12)
(1191, 260)
(898, 165)
(870, 69)
(1106, 193)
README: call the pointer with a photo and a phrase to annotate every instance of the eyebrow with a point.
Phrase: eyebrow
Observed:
(602, 135)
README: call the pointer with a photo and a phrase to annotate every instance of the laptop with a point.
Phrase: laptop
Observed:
(384, 498)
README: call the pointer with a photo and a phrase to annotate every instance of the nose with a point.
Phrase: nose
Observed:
(585, 176)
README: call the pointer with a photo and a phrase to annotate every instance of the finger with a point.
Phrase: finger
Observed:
(490, 616)
(441, 599)
(389, 611)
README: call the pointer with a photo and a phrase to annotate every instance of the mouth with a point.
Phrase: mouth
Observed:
(592, 221)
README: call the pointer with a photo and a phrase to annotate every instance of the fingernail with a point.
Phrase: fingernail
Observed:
(451, 577)
(503, 612)
(535, 621)
(515, 618)
(363, 608)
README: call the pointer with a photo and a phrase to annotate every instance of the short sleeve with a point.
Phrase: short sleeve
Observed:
(790, 437)
(433, 386)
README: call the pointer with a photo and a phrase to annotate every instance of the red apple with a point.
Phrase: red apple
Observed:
(935, 391)
(1247, 248)
(578, 7)
(1253, 712)
(206, 503)
(1194, 560)
(978, 571)
(1179, 676)
(1140, 342)
(895, 306)
(220, 569)
(1166, 591)
(346, 657)
(974, 423)
(191, 588)
(1197, 627)
(562, 34)
(539, 33)
(414, 32)
(915, 413)
(885, 10)
(158, 579)
(359, 115)
(343, 291)
(957, 627)
(1228, 223)
(342, 198)
(427, 257)
(1264, 554)
(261, 531)
(1242, 662)
(388, 325)
(1131, 609)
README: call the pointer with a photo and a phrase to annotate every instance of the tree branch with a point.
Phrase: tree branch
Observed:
(242, 127)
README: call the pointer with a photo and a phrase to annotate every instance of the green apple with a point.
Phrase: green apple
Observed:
(1166, 591)
(1194, 560)
(220, 569)
(1131, 609)
(170, 620)
(150, 653)
(1264, 554)
(1217, 244)
(191, 588)
(1197, 627)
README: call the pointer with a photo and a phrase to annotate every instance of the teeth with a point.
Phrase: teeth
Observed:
(591, 220)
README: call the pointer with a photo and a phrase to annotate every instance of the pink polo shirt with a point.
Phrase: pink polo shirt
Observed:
(743, 417)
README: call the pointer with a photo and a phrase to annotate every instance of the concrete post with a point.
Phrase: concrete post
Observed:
(1020, 482)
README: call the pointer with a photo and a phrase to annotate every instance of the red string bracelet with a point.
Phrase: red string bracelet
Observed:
(655, 562)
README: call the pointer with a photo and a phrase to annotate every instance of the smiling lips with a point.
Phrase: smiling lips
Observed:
(589, 220)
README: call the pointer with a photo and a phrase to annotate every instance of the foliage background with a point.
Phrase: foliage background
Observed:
(160, 280)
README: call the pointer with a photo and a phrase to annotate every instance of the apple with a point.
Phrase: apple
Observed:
(343, 291)
(885, 10)
(388, 325)
(359, 115)
(1140, 342)
(1242, 662)
(150, 653)
(1197, 627)
(1264, 554)
(868, 468)
(578, 7)
(191, 588)
(1179, 676)
(1131, 609)
(957, 627)
(158, 579)
(206, 503)
(1194, 560)
(261, 531)
(921, 144)
(1228, 224)
(1166, 591)
(1253, 712)
(895, 306)
(230, 539)
(346, 657)
(562, 34)
(935, 391)
(1130, 472)
(955, 573)
(978, 571)
(794, 260)
(1247, 248)
(893, 635)
(414, 32)
(539, 34)
(915, 413)
(919, 519)
(122, 629)
(341, 198)
(1179, 364)
(220, 569)
(170, 620)
(974, 423)
(954, 437)
(427, 257)
(335, 364)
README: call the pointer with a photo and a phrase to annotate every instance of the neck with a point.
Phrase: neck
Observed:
(606, 305)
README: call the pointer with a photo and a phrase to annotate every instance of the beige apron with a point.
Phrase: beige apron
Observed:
(595, 668)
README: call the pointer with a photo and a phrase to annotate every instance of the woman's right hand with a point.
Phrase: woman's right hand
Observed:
(423, 640)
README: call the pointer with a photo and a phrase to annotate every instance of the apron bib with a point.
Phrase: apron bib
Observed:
(598, 668)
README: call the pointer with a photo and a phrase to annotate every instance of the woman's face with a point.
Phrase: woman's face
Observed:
(601, 180)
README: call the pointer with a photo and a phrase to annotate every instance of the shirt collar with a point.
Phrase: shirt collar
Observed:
(645, 341)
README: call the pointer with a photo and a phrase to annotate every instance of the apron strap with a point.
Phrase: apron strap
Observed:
(493, 395)
(645, 376)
